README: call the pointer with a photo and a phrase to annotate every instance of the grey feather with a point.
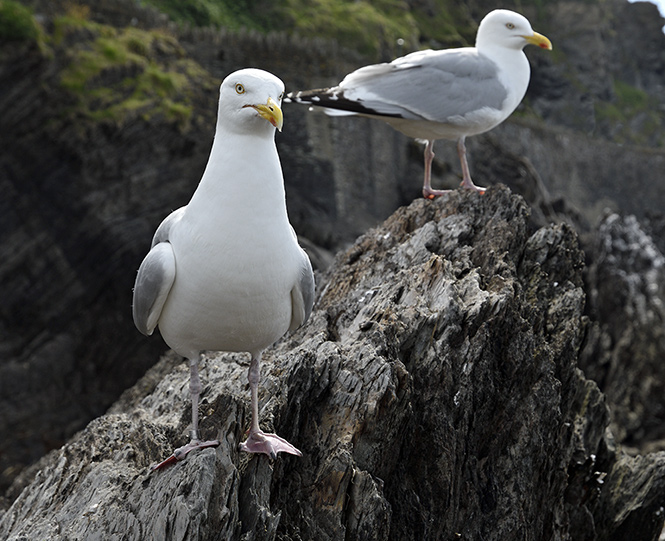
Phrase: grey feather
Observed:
(302, 295)
(155, 277)
(428, 85)
(151, 289)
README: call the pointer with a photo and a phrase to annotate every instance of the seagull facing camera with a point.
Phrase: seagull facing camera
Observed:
(226, 272)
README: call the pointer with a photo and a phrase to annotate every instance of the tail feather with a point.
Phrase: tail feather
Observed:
(333, 101)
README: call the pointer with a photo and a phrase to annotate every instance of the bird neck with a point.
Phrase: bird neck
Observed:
(499, 53)
(514, 70)
(243, 171)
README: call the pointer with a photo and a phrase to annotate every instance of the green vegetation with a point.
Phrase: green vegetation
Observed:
(229, 13)
(17, 22)
(368, 27)
(371, 27)
(447, 23)
(630, 98)
(115, 74)
(633, 115)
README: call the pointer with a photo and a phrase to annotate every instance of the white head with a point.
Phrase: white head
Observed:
(504, 28)
(249, 102)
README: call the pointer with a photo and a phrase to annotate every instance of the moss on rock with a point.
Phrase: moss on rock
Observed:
(119, 74)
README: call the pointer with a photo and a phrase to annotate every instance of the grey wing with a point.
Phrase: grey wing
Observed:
(427, 85)
(153, 284)
(155, 277)
(302, 294)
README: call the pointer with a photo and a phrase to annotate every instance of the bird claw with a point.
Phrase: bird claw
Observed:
(430, 193)
(182, 452)
(164, 463)
(469, 185)
(269, 444)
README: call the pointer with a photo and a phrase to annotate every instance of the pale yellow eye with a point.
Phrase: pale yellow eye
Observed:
(240, 89)
(510, 26)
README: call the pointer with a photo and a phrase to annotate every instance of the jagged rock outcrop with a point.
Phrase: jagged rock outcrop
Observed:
(434, 393)
(626, 344)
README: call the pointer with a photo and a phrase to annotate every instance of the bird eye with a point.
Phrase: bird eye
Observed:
(240, 89)
(510, 26)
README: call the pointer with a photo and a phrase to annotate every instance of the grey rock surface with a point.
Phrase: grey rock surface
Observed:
(434, 392)
(625, 346)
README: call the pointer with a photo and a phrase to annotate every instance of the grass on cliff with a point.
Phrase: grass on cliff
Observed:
(17, 22)
(367, 27)
(114, 73)
(371, 27)
(234, 14)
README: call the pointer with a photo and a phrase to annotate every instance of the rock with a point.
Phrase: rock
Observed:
(595, 175)
(631, 502)
(434, 393)
(625, 347)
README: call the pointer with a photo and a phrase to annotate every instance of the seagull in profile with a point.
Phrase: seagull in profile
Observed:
(446, 94)
(225, 272)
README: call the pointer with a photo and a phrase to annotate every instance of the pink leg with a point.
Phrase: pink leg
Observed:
(466, 176)
(257, 440)
(428, 192)
(194, 443)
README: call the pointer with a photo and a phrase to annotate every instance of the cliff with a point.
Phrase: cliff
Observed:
(435, 394)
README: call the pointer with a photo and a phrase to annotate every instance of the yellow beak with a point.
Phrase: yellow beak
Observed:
(271, 112)
(539, 40)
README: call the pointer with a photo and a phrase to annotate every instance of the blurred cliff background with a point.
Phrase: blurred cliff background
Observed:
(107, 112)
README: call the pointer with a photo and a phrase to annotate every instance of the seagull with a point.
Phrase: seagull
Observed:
(447, 94)
(226, 272)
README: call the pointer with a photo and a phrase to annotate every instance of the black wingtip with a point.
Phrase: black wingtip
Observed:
(332, 98)
(309, 96)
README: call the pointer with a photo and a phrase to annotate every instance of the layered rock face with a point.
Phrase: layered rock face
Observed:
(434, 392)
(625, 345)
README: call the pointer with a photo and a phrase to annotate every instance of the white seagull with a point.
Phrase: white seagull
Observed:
(225, 272)
(447, 94)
